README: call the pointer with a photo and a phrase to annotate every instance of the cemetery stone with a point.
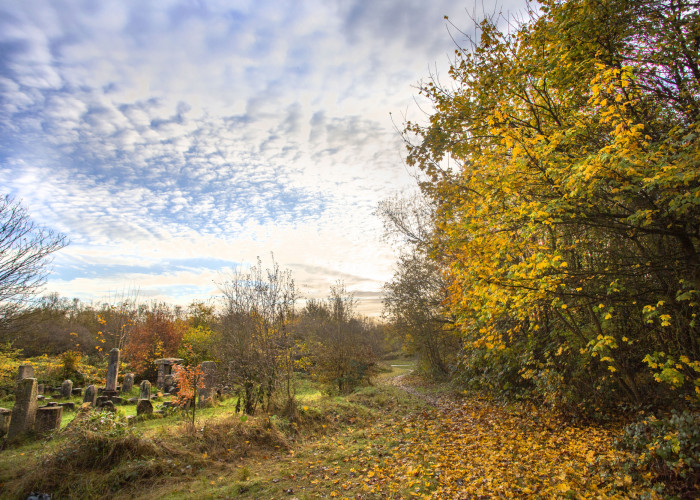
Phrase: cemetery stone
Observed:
(112, 370)
(48, 418)
(207, 394)
(145, 390)
(90, 395)
(5, 416)
(24, 412)
(144, 407)
(67, 389)
(128, 382)
(25, 371)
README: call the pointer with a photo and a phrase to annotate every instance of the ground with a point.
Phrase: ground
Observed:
(400, 438)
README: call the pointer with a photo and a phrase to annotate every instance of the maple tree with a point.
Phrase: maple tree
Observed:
(157, 335)
(563, 163)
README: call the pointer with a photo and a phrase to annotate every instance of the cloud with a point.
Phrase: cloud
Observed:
(153, 134)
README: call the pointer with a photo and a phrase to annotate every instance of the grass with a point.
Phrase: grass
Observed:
(224, 456)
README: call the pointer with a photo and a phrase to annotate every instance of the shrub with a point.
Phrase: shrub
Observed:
(666, 449)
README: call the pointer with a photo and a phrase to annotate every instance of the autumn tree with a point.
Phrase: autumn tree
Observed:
(563, 163)
(156, 335)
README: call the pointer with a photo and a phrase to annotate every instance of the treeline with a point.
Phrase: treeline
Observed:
(553, 252)
(257, 333)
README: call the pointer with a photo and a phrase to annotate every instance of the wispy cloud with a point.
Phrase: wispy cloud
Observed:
(160, 133)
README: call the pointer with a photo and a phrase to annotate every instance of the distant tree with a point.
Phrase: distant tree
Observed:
(413, 303)
(255, 339)
(157, 335)
(25, 250)
(341, 346)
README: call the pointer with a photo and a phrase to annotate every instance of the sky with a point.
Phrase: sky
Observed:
(174, 142)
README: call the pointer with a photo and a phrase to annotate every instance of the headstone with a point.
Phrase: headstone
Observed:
(145, 390)
(68, 406)
(40, 389)
(128, 382)
(168, 383)
(24, 412)
(5, 416)
(108, 406)
(48, 418)
(101, 400)
(90, 395)
(207, 394)
(25, 371)
(77, 391)
(67, 389)
(112, 370)
(40, 397)
(144, 407)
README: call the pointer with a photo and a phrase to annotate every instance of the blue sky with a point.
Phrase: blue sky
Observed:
(174, 141)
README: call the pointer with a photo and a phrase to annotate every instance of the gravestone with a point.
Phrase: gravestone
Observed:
(145, 390)
(128, 382)
(144, 407)
(48, 418)
(24, 412)
(25, 371)
(67, 389)
(40, 389)
(168, 383)
(101, 400)
(90, 395)
(207, 394)
(108, 406)
(112, 370)
(77, 391)
(5, 416)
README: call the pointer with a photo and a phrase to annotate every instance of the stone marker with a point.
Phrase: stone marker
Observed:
(168, 383)
(77, 391)
(108, 406)
(67, 389)
(48, 418)
(40, 389)
(5, 416)
(128, 382)
(112, 370)
(144, 407)
(207, 394)
(145, 390)
(25, 371)
(90, 395)
(70, 405)
(101, 400)
(24, 412)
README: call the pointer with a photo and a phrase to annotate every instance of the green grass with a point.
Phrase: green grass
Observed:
(225, 455)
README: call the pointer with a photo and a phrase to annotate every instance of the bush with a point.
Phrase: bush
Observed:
(666, 450)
